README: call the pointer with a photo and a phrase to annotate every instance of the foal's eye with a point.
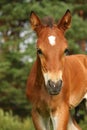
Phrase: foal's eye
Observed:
(39, 51)
(66, 52)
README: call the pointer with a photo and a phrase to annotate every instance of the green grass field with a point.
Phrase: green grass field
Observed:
(10, 122)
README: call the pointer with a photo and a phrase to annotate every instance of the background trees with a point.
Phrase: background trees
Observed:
(17, 43)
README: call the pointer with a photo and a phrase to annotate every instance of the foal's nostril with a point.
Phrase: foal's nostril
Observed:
(54, 87)
(51, 83)
(59, 84)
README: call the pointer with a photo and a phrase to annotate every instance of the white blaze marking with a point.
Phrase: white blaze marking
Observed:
(52, 40)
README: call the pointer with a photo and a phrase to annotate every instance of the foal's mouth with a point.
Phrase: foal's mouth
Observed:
(54, 88)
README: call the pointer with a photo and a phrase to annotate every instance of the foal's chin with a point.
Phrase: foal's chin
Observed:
(54, 92)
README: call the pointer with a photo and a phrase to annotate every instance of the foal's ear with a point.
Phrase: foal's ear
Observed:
(65, 22)
(35, 21)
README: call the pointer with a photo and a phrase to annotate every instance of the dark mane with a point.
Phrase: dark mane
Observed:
(48, 21)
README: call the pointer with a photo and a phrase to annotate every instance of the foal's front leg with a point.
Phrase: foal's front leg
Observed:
(40, 122)
(72, 125)
(60, 118)
(62, 121)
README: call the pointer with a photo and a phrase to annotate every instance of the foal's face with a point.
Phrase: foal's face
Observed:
(51, 50)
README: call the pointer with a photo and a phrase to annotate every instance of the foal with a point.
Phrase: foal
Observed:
(57, 82)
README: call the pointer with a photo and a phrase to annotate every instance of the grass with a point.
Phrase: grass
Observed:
(10, 122)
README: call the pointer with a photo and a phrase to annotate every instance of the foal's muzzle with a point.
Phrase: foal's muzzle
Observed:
(54, 88)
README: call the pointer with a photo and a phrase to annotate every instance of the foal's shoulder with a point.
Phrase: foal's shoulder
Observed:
(79, 59)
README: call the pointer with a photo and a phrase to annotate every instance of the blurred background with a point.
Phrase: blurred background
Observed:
(17, 54)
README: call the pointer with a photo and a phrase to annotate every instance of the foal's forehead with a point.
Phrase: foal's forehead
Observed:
(51, 36)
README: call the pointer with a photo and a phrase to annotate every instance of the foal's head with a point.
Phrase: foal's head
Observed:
(51, 49)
